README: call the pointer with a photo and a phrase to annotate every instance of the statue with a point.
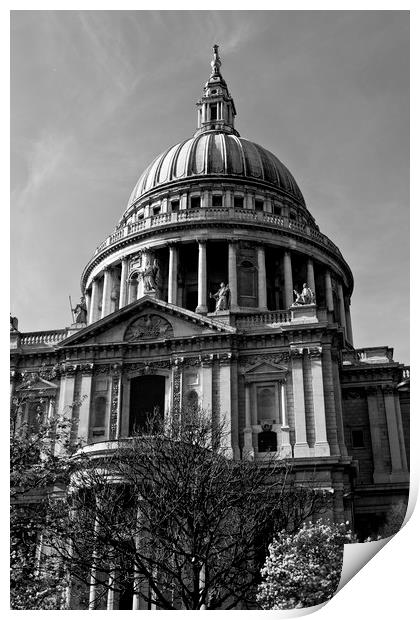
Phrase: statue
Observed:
(222, 297)
(80, 311)
(150, 275)
(13, 323)
(305, 297)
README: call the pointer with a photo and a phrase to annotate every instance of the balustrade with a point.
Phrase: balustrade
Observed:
(48, 337)
(215, 213)
(264, 319)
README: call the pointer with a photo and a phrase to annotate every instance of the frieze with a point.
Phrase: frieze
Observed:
(149, 327)
(146, 368)
(352, 395)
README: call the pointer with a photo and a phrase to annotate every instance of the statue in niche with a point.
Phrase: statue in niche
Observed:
(305, 297)
(150, 274)
(222, 297)
(80, 311)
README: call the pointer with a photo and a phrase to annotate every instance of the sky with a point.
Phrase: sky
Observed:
(96, 95)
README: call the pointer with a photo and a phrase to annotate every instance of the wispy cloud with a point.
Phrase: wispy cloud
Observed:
(43, 159)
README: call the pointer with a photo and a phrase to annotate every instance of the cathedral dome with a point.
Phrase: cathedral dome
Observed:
(218, 153)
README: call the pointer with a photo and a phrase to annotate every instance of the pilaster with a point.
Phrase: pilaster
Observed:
(106, 292)
(380, 474)
(124, 283)
(301, 448)
(173, 274)
(397, 473)
(322, 447)
(85, 394)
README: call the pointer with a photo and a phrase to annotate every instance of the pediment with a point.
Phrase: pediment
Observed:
(146, 319)
(38, 385)
(264, 368)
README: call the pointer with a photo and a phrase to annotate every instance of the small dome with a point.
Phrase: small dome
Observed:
(216, 153)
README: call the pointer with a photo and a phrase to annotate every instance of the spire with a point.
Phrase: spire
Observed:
(216, 62)
(216, 109)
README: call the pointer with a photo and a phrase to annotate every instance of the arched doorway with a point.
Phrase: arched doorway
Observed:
(147, 398)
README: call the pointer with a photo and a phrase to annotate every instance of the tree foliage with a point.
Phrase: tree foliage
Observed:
(168, 517)
(36, 580)
(303, 568)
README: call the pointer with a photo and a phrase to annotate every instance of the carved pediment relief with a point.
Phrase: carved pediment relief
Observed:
(149, 326)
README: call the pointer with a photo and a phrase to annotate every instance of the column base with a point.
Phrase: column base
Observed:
(380, 477)
(399, 476)
(301, 450)
(322, 449)
(201, 310)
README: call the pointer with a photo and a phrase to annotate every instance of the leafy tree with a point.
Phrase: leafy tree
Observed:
(394, 519)
(36, 580)
(303, 568)
(166, 517)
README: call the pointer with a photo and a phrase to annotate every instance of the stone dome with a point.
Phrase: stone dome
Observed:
(216, 153)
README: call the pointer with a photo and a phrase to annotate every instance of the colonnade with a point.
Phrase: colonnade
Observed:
(100, 303)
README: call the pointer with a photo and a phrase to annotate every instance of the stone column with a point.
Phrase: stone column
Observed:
(94, 301)
(226, 403)
(202, 278)
(310, 276)
(301, 447)
(262, 280)
(207, 385)
(288, 279)
(338, 404)
(106, 293)
(379, 473)
(342, 310)
(401, 431)
(124, 283)
(248, 452)
(397, 473)
(112, 597)
(173, 274)
(348, 321)
(88, 294)
(322, 447)
(65, 405)
(285, 447)
(330, 409)
(328, 291)
(233, 276)
(85, 395)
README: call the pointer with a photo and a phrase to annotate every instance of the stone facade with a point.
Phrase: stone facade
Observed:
(285, 378)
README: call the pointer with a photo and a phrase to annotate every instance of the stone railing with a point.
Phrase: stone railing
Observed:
(51, 337)
(224, 214)
(264, 319)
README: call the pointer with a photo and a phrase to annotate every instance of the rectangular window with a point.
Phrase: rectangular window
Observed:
(195, 202)
(217, 201)
(357, 438)
(174, 206)
(238, 202)
(213, 112)
(277, 210)
(156, 210)
(259, 205)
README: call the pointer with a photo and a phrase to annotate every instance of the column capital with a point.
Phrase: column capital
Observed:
(201, 241)
(87, 368)
(315, 352)
(68, 370)
(296, 352)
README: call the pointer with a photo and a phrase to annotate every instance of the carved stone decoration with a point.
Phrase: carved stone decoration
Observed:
(251, 360)
(147, 367)
(315, 352)
(176, 390)
(149, 327)
(115, 389)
